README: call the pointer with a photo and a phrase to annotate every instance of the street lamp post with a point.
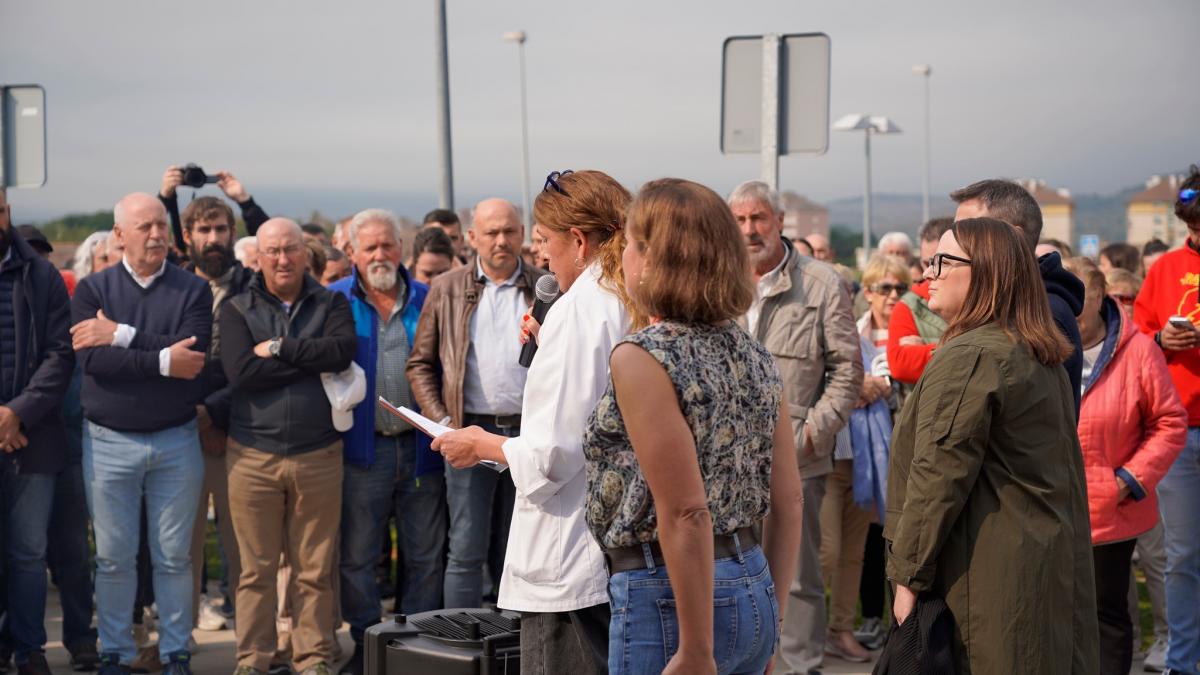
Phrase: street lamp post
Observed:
(868, 124)
(518, 37)
(442, 67)
(925, 71)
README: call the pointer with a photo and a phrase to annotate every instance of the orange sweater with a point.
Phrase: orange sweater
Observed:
(1171, 288)
(907, 362)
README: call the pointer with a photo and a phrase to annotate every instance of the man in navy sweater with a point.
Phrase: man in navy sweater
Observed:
(141, 331)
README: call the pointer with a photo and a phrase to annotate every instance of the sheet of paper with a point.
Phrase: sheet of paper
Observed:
(430, 428)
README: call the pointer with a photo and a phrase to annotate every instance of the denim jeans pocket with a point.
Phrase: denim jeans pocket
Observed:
(725, 630)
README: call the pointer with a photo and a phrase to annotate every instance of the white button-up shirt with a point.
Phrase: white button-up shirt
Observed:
(496, 388)
(553, 564)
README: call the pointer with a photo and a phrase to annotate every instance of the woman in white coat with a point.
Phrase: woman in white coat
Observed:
(553, 569)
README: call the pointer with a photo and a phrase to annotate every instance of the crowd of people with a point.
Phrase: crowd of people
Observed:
(969, 444)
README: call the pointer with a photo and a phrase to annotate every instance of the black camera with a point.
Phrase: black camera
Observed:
(194, 177)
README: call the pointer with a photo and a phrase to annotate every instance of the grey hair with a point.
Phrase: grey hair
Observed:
(83, 254)
(896, 238)
(119, 209)
(373, 216)
(240, 246)
(756, 190)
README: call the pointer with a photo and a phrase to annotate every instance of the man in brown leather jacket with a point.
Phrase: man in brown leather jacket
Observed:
(464, 366)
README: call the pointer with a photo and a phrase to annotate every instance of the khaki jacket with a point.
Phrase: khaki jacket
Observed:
(986, 507)
(438, 359)
(805, 322)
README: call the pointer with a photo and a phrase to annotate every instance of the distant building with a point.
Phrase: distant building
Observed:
(1151, 213)
(1058, 210)
(802, 216)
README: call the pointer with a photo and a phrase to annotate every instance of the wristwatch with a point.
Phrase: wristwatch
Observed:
(273, 347)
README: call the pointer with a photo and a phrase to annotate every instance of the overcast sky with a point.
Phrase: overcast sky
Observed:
(330, 105)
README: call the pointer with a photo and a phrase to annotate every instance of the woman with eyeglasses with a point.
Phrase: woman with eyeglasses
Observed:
(1131, 428)
(1167, 309)
(690, 457)
(846, 511)
(553, 569)
(986, 501)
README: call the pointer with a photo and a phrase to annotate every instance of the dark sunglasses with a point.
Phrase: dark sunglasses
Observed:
(1122, 298)
(887, 289)
(937, 262)
(552, 182)
(1187, 196)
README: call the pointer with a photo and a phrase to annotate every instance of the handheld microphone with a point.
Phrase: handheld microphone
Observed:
(546, 291)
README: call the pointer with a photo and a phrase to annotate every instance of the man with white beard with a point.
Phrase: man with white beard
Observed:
(385, 459)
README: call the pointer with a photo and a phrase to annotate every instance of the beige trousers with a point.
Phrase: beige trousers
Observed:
(843, 538)
(293, 503)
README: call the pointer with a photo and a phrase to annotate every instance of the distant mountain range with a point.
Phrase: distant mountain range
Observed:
(1094, 214)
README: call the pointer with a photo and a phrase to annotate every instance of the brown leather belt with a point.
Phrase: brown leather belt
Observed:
(498, 421)
(633, 557)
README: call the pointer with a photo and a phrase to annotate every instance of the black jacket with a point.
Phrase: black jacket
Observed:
(279, 404)
(45, 360)
(1065, 293)
(923, 644)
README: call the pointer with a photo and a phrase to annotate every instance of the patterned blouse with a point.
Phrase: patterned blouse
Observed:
(729, 390)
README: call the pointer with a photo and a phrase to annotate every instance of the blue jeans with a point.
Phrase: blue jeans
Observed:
(28, 500)
(70, 558)
(1179, 501)
(368, 496)
(119, 468)
(644, 632)
(472, 496)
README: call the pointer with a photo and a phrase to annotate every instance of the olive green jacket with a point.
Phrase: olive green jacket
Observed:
(987, 507)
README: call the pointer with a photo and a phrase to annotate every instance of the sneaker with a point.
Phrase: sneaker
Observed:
(870, 635)
(110, 664)
(209, 619)
(321, 668)
(357, 663)
(843, 645)
(279, 669)
(35, 664)
(1156, 657)
(84, 657)
(178, 663)
(246, 670)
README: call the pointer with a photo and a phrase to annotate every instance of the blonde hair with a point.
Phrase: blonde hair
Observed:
(1086, 270)
(1119, 276)
(696, 267)
(881, 266)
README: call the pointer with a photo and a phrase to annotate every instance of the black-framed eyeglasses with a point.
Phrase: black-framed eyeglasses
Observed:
(888, 289)
(552, 182)
(938, 261)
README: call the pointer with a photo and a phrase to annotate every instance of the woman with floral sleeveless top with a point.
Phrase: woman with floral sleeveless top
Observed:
(690, 459)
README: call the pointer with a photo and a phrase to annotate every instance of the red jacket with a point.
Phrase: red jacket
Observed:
(1170, 289)
(1132, 425)
(907, 362)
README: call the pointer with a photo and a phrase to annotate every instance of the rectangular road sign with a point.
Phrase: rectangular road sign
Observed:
(22, 136)
(802, 101)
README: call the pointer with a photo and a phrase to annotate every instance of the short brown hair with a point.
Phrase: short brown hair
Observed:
(1008, 202)
(1006, 289)
(696, 267)
(315, 255)
(594, 203)
(207, 209)
(1122, 255)
(933, 229)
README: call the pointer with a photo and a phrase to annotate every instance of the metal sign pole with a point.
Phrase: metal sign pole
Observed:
(867, 201)
(770, 110)
(3, 145)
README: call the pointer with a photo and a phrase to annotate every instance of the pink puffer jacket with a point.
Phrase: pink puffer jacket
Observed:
(1131, 424)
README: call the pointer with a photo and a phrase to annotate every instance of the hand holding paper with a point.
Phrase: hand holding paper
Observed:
(458, 450)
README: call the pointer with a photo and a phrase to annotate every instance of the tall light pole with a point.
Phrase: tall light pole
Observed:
(868, 124)
(442, 76)
(518, 36)
(925, 71)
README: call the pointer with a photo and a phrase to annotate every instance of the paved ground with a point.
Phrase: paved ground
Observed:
(216, 653)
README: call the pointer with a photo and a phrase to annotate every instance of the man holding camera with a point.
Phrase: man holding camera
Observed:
(194, 177)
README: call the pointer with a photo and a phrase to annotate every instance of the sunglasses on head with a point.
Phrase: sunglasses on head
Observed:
(552, 182)
(1188, 195)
